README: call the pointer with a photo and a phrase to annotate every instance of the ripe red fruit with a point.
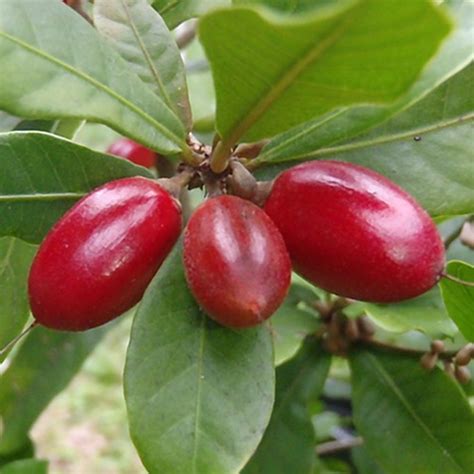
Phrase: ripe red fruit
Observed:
(97, 261)
(353, 232)
(236, 262)
(132, 151)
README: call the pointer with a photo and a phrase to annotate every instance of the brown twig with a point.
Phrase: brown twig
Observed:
(332, 447)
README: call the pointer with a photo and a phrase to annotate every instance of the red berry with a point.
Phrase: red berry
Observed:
(236, 262)
(97, 261)
(353, 232)
(132, 151)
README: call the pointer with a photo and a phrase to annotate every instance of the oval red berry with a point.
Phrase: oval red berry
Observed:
(353, 232)
(236, 262)
(97, 261)
(132, 151)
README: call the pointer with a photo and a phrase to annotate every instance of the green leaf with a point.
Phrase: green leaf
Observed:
(15, 260)
(340, 125)
(425, 313)
(289, 441)
(458, 298)
(142, 38)
(199, 396)
(175, 12)
(290, 326)
(43, 366)
(420, 165)
(71, 72)
(287, 6)
(411, 420)
(324, 65)
(25, 466)
(364, 463)
(44, 175)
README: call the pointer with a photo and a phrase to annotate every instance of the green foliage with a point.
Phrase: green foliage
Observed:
(175, 12)
(141, 37)
(56, 82)
(15, 259)
(288, 443)
(411, 420)
(43, 176)
(459, 299)
(324, 65)
(199, 396)
(343, 124)
(27, 466)
(42, 367)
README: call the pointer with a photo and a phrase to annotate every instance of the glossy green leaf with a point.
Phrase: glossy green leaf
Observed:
(25, 466)
(199, 396)
(290, 326)
(425, 313)
(289, 441)
(71, 72)
(175, 12)
(15, 260)
(324, 65)
(43, 175)
(142, 38)
(340, 125)
(411, 420)
(43, 366)
(459, 299)
(415, 156)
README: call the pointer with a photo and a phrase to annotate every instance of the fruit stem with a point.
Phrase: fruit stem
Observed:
(189, 157)
(457, 280)
(447, 355)
(176, 183)
(14, 341)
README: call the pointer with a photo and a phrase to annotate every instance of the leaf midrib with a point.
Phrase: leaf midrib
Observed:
(382, 140)
(98, 85)
(154, 72)
(418, 421)
(40, 197)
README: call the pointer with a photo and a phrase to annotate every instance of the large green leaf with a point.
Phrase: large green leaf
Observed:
(43, 175)
(411, 420)
(43, 367)
(287, 6)
(142, 38)
(289, 441)
(413, 148)
(199, 395)
(340, 125)
(176, 11)
(458, 298)
(425, 313)
(288, 72)
(15, 260)
(51, 72)
(25, 466)
(364, 463)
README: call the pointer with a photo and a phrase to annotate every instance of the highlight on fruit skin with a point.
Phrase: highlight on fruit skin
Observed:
(99, 258)
(353, 232)
(133, 151)
(235, 260)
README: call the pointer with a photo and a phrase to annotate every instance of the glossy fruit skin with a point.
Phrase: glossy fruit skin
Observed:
(97, 261)
(236, 262)
(132, 151)
(354, 233)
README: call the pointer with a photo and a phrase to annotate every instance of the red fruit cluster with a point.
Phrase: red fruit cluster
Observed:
(133, 151)
(346, 229)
